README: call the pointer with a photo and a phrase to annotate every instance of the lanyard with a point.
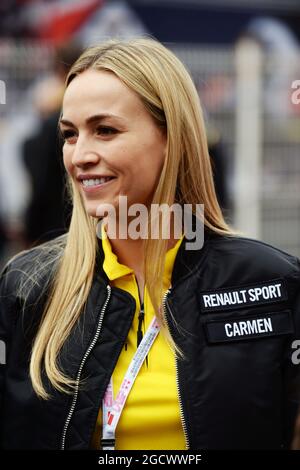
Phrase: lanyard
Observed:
(112, 409)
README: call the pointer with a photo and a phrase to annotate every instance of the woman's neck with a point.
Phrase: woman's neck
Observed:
(131, 252)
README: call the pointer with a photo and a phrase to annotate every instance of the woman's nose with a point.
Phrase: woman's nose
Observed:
(84, 152)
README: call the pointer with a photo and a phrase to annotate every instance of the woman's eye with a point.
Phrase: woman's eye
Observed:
(68, 135)
(103, 130)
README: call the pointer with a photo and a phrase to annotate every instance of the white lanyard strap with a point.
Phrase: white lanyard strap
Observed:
(112, 409)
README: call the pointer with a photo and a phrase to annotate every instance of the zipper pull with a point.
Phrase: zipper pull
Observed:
(141, 318)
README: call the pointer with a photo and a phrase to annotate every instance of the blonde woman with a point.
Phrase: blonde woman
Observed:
(133, 342)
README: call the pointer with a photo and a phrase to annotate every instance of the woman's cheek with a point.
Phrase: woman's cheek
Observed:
(67, 159)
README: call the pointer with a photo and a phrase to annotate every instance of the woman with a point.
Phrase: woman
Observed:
(213, 326)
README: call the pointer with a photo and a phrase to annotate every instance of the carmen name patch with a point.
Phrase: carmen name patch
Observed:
(271, 324)
(246, 296)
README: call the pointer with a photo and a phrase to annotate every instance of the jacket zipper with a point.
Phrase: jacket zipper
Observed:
(86, 355)
(141, 317)
(182, 417)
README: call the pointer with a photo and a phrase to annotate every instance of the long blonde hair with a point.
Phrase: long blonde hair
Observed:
(168, 93)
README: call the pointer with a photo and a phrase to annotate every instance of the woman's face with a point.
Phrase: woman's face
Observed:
(112, 146)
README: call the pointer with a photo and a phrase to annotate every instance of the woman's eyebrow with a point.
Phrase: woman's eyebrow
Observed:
(93, 119)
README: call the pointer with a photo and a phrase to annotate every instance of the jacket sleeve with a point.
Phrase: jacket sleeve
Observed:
(292, 375)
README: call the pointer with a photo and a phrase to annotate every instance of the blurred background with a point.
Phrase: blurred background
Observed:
(244, 58)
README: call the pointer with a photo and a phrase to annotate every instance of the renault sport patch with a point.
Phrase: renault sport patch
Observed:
(258, 326)
(246, 296)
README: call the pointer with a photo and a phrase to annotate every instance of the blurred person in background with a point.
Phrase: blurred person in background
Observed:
(47, 213)
(215, 92)
(3, 240)
(219, 166)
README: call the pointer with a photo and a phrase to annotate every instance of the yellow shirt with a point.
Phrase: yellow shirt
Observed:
(151, 415)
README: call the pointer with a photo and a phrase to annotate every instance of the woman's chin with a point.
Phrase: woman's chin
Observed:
(98, 210)
(91, 210)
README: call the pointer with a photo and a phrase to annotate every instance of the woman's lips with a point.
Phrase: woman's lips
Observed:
(96, 187)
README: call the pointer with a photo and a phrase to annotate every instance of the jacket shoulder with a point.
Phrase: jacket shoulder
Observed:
(31, 269)
(254, 255)
(24, 286)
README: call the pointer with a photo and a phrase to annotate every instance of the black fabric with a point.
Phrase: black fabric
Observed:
(234, 395)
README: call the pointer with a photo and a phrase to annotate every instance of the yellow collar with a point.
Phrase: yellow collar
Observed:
(115, 270)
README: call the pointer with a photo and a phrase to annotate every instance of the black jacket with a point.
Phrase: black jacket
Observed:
(237, 305)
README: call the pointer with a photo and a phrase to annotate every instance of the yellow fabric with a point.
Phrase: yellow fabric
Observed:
(151, 415)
